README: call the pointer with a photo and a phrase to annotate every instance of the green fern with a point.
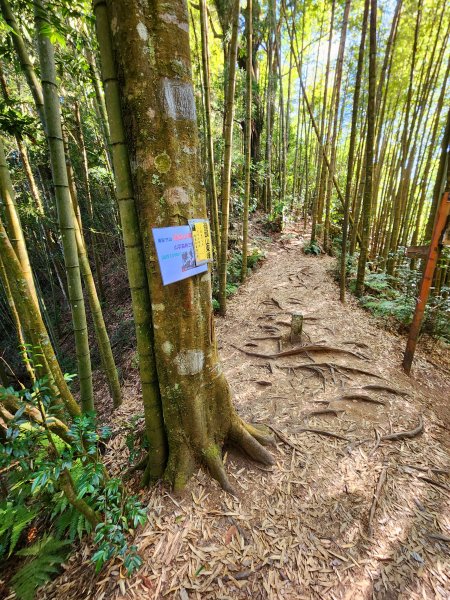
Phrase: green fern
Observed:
(73, 524)
(14, 519)
(45, 558)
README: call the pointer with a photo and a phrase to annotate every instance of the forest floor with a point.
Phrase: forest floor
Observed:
(346, 512)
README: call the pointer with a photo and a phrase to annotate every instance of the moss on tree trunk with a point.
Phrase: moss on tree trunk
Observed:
(158, 106)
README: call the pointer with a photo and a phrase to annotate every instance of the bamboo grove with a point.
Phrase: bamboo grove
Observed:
(335, 114)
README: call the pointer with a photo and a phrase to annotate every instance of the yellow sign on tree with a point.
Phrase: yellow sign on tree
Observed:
(201, 237)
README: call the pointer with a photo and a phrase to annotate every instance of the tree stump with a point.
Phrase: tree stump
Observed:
(296, 327)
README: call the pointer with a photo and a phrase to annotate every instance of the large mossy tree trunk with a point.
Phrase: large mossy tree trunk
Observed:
(158, 107)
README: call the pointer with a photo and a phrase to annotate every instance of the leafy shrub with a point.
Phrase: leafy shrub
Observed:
(312, 248)
(44, 459)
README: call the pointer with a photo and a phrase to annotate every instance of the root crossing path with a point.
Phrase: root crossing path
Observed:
(358, 502)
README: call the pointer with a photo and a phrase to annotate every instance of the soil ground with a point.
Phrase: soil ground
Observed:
(344, 513)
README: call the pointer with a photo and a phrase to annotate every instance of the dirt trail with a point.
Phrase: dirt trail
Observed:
(301, 529)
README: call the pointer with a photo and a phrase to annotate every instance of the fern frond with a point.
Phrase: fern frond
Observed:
(23, 517)
(46, 555)
(13, 520)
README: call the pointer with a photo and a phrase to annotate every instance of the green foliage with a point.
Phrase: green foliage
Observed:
(122, 514)
(234, 270)
(16, 122)
(394, 298)
(13, 520)
(312, 248)
(34, 487)
(44, 560)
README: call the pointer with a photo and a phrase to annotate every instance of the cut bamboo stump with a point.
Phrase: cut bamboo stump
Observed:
(296, 327)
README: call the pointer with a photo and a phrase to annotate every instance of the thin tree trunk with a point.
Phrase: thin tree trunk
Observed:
(227, 159)
(248, 137)
(335, 112)
(209, 135)
(90, 208)
(24, 59)
(370, 140)
(351, 150)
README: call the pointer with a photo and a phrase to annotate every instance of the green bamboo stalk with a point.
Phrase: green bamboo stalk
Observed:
(101, 333)
(64, 206)
(29, 312)
(17, 323)
(14, 227)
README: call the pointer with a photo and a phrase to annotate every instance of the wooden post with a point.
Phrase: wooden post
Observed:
(296, 327)
(433, 255)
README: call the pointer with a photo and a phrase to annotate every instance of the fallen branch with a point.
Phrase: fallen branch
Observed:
(376, 498)
(401, 435)
(433, 482)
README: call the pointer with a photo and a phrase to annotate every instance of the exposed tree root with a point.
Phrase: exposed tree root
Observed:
(331, 367)
(401, 435)
(384, 388)
(240, 437)
(324, 411)
(359, 398)
(302, 350)
(321, 432)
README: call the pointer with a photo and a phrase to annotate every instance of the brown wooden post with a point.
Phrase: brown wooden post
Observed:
(433, 255)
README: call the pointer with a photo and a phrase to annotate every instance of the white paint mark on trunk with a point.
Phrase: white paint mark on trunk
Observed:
(167, 347)
(174, 21)
(142, 31)
(190, 362)
(178, 99)
(157, 307)
(176, 195)
(188, 150)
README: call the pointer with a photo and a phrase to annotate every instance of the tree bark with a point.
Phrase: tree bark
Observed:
(160, 120)
(134, 252)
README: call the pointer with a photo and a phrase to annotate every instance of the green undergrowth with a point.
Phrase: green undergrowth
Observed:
(234, 270)
(38, 522)
(393, 298)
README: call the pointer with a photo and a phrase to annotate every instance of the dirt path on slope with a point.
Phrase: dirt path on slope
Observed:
(303, 528)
